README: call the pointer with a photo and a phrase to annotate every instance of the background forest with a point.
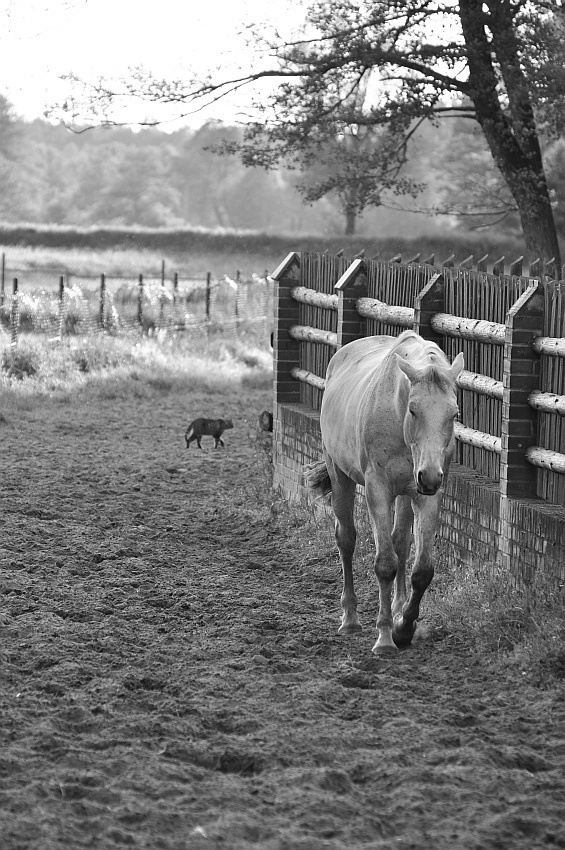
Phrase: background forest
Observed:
(120, 177)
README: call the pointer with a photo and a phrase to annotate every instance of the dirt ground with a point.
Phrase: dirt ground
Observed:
(172, 677)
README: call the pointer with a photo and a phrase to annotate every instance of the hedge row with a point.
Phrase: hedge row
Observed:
(225, 241)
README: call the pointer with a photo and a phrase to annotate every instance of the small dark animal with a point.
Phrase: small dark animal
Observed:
(207, 428)
(266, 421)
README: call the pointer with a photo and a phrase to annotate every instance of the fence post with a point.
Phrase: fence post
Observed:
(208, 294)
(61, 307)
(3, 280)
(429, 301)
(351, 286)
(286, 349)
(524, 321)
(140, 300)
(102, 301)
(15, 315)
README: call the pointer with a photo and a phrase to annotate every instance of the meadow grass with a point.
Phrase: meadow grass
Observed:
(130, 262)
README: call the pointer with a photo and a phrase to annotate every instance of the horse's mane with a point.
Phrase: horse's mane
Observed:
(429, 357)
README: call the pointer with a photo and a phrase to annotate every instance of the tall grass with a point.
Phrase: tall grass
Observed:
(36, 365)
(130, 262)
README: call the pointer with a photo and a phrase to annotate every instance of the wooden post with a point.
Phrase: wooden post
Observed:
(286, 349)
(524, 322)
(550, 269)
(429, 301)
(208, 293)
(517, 267)
(15, 315)
(140, 300)
(61, 307)
(351, 286)
(102, 301)
(175, 289)
(3, 280)
(498, 267)
(162, 296)
(482, 263)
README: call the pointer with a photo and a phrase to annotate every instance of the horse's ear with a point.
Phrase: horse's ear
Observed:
(457, 365)
(411, 372)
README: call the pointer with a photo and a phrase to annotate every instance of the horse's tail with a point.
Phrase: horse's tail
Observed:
(317, 479)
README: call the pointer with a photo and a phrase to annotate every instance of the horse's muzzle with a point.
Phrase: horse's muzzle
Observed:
(428, 485)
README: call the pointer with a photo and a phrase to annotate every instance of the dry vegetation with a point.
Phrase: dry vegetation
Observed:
(130, 262)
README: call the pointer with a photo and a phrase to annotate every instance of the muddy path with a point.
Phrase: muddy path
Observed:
(172, 677)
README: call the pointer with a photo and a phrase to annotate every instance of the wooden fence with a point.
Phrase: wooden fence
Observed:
(510, 327)
(44, 302)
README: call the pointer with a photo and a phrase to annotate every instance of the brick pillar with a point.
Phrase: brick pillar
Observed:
(351, 286)
(430, 301)
(524, 322)
(286, 350)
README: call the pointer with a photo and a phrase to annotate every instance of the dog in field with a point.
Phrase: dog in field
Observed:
(201, 427)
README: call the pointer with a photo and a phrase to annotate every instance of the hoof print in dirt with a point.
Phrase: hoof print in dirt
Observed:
(357, 680)
(244, 764)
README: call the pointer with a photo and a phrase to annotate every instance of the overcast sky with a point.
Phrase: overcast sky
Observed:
(42, 39)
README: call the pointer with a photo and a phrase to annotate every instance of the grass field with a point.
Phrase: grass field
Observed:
(128, 262)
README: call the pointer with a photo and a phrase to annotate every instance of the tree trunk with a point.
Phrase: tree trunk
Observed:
(512, 135)
(350, 222)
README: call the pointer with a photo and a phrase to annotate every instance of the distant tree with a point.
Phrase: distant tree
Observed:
(357, 165)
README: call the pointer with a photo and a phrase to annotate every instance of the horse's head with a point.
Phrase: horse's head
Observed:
(431, 410)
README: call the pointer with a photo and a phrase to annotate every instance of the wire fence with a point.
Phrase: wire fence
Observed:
(57, 304)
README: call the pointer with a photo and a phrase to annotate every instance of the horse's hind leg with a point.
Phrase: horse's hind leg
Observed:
(343, 502)
(401, 540)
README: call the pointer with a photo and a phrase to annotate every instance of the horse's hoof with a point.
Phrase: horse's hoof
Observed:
(350, 629)
(385, 650)
(402, 634)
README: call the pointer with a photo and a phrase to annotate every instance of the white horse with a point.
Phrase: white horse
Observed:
(387, 423)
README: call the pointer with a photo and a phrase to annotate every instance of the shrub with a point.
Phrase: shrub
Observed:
(20, 362)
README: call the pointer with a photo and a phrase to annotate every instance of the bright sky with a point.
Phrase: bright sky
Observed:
(40, 40)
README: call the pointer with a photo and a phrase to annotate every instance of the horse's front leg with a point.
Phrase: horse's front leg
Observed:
(426, 511)
(379, 504)
(343, 502)
(401, 541)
